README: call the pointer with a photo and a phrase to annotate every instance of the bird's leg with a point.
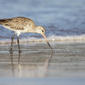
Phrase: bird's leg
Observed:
(12, 38)
(18, 45)
(18, 49)
(11, 52)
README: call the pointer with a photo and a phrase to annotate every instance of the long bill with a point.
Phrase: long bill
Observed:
(46, 40)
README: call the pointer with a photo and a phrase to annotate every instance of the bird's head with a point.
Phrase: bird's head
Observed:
(41, 30)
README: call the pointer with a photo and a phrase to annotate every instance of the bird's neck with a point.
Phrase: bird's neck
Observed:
(32, 29)
(36, 29)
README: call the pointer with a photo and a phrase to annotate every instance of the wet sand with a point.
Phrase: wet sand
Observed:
(37, 60)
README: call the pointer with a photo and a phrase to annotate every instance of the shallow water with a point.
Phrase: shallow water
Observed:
(60, 17)
(38, 61)
(38, 65)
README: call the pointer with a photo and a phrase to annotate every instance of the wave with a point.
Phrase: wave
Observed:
(67, 38)
(52, 38)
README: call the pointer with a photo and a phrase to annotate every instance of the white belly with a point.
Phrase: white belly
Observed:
(18, 32)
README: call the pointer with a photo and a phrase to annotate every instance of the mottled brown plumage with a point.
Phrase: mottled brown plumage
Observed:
(17, 23)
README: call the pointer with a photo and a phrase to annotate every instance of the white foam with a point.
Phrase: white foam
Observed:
(52, 38)
(67, 38)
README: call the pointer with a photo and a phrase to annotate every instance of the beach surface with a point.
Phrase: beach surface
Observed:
(38, 61)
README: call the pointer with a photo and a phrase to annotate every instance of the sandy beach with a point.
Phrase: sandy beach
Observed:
(38, 61)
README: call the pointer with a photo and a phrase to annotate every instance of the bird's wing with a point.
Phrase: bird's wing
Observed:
(17, 23)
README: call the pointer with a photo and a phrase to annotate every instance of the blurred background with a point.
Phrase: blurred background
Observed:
(59, 17)
(62, 19)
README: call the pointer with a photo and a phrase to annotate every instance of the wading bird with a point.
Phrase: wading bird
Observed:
(22, 25)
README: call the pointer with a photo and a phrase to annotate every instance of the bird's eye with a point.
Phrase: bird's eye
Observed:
(42, 30)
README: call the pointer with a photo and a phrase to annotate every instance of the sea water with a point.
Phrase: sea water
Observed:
(61, 18)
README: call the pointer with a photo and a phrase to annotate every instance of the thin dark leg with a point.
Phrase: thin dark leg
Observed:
(19, 51)
(12, 38)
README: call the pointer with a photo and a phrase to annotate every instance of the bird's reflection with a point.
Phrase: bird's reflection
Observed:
(13, 64)
(48, 62)
(31, 69)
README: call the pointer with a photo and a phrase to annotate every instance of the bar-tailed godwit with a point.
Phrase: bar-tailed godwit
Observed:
(22, 25)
